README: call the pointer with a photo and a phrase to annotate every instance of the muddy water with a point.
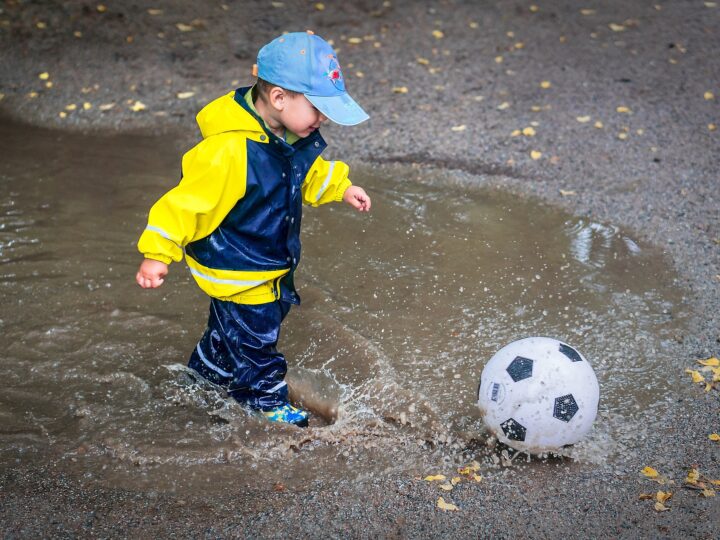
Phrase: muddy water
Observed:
(401, 309)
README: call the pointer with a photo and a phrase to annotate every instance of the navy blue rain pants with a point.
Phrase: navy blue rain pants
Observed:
(239, 351)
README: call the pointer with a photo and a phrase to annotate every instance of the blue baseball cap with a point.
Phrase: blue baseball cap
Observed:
(306, 63)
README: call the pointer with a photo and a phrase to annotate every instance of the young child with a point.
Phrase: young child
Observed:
(235, 214)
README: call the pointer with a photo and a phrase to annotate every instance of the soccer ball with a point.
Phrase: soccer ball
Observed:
(538, 394)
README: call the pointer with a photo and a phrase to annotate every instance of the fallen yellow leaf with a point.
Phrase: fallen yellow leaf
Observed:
(534, 154)
(504, 105)
(708, 493)
(400, 89)
(138, 106)
(455, 480)
(566, 193)
(663, 496)
(106, 106)
(44, 76)
(462, 127)
(650, 472)
(712, 362)
(438, 34)
(616, 27)
(714, 437)
(446, 487)
(599, 124)
(696, 376)
(622, 136)
(498, 59)
(354, 40)
(588, 11)
(516, 133)
(62, 114)
(623, 110)
(534, 8)
(660, 507)
(87, 106)
(583, 119)
(469, 469)
(184, 27)
(320, 6)
(528, 132)
(70, 107)
(423, 61)
(101, 8)
(545, 84)
(154, 12)
(41, 25)
(473, 24)
(477, 477)
(185, 95)
(434, 478)
(693, 476)
(446, 506)
(709, 96)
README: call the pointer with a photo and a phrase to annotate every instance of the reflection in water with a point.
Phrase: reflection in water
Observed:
(401, 309)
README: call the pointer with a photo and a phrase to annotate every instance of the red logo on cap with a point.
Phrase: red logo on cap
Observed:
(333, 73)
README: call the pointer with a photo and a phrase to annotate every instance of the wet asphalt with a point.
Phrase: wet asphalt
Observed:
(623, 102)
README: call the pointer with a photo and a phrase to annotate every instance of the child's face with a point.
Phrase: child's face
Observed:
(300, 116)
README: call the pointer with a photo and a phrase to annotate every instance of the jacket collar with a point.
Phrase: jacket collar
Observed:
(276, 143)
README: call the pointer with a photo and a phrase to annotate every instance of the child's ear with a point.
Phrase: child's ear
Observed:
(277, 97)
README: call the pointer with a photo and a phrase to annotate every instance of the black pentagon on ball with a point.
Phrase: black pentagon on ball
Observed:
(565, 408)
(513, 430)
(520, 368)
(571, 353)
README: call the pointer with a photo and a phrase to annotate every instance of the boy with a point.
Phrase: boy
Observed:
(236, 213)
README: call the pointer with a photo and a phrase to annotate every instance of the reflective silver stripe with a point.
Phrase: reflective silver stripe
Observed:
(211, 365)
(277, 387)
(228, 281)
(161, 233)
(327, 181)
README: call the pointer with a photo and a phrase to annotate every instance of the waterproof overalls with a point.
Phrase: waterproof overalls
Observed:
(235, 216)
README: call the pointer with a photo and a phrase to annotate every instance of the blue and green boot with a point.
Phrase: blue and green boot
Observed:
(288, 414)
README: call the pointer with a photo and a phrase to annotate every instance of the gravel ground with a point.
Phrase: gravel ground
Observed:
(623, 99)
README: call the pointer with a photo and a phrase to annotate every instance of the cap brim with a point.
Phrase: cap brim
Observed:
(340, 109)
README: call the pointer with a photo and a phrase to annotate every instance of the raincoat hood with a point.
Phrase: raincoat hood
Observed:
(225, 114)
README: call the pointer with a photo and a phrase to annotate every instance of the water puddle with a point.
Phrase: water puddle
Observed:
(401, 310)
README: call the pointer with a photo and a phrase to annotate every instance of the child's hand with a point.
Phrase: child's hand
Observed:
(356, 197)
(151, 274)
